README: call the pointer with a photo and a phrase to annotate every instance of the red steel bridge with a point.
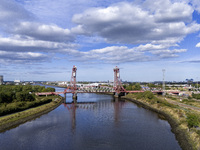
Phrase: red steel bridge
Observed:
(117, 89)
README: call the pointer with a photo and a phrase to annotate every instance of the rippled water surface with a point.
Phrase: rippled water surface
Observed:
(101, 123)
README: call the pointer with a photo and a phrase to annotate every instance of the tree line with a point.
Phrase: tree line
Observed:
(18, 93)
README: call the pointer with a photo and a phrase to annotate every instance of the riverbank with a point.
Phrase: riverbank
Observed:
(13, 120)
(175, 115)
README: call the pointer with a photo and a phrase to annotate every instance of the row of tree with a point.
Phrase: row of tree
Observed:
(133, 86)
(18, 93)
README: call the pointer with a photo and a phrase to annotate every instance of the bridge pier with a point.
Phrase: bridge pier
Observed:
(65, 97)
(74, 96)
(116, 95)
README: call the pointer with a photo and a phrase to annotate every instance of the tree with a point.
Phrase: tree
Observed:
(20, 96)
(24, 96)
(27, 88)
(148, 95)
(29, 97)
(49, 89)
(136, 87)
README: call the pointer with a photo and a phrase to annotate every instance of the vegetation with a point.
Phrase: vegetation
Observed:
(193, 120)
(17, 118)
(196, 96)
(133, 87)
(187, 119)
(14, 98)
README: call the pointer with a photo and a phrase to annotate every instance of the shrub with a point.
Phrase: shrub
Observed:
(197, 96)
(173, 98)
(148, 95)
(198, 132)
(192, 120)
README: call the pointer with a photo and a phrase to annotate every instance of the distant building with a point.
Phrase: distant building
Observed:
(17, 81)
(62, 83)
(1, 79)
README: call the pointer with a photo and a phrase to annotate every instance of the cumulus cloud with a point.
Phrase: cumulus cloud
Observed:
(43, 32)
(169, 10)
(157, 26)
(25, 58)
(113, 54)
(151, 29)
(123, 54)
(198, 45)
(12, 12)
(133, 24)
(22, 35)
(22, 45)
(168, 53)
(196, 5)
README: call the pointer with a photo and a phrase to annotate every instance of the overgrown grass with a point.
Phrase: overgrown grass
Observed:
(188, 120)
(151, 98)
(8, 108)
(193, 120)
(23, 114)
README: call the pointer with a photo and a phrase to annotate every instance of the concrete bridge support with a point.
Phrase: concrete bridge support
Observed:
(74, 96)
(65, 98)
(116, 95)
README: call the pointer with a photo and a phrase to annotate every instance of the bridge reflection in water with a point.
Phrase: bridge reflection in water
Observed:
(72, 107)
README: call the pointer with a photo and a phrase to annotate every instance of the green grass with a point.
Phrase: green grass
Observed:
(23, 114)
(8, 108)
(187, 119)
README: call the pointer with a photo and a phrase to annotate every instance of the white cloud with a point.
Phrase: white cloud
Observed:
(123, 54)
(22, 57)
(169, 11)
(158, 26)
(132, 24)
(20, 44)
(43, 32)
(12, 12)
(168, 53)
(196, 5)
(148, 47)
(61, 11)
(198, 45)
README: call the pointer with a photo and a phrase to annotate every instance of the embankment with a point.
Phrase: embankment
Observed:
(180, 134)
(14, 120)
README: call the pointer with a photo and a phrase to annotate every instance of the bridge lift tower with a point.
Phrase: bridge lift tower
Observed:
(73, 83)
(72, 86)
(117, 83)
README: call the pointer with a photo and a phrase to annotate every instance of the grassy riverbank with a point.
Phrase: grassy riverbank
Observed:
(182, 120)
(15, 119)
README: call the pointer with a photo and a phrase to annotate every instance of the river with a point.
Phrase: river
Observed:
(100, 123)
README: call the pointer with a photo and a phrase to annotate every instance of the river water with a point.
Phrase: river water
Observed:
(98, 123)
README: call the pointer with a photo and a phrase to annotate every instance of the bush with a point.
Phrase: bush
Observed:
(173, 98)
(198, 132)
(197, 96)
(24, 96)
(148, 95)
(19, 106)
(133, 87)
(192, 120)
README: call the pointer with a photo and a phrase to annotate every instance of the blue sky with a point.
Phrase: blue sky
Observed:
(43, 39)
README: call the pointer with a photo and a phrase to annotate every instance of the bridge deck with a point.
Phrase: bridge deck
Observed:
(101, 92)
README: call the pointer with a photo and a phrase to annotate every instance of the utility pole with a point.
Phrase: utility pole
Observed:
(163, 86)
(197, 85)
